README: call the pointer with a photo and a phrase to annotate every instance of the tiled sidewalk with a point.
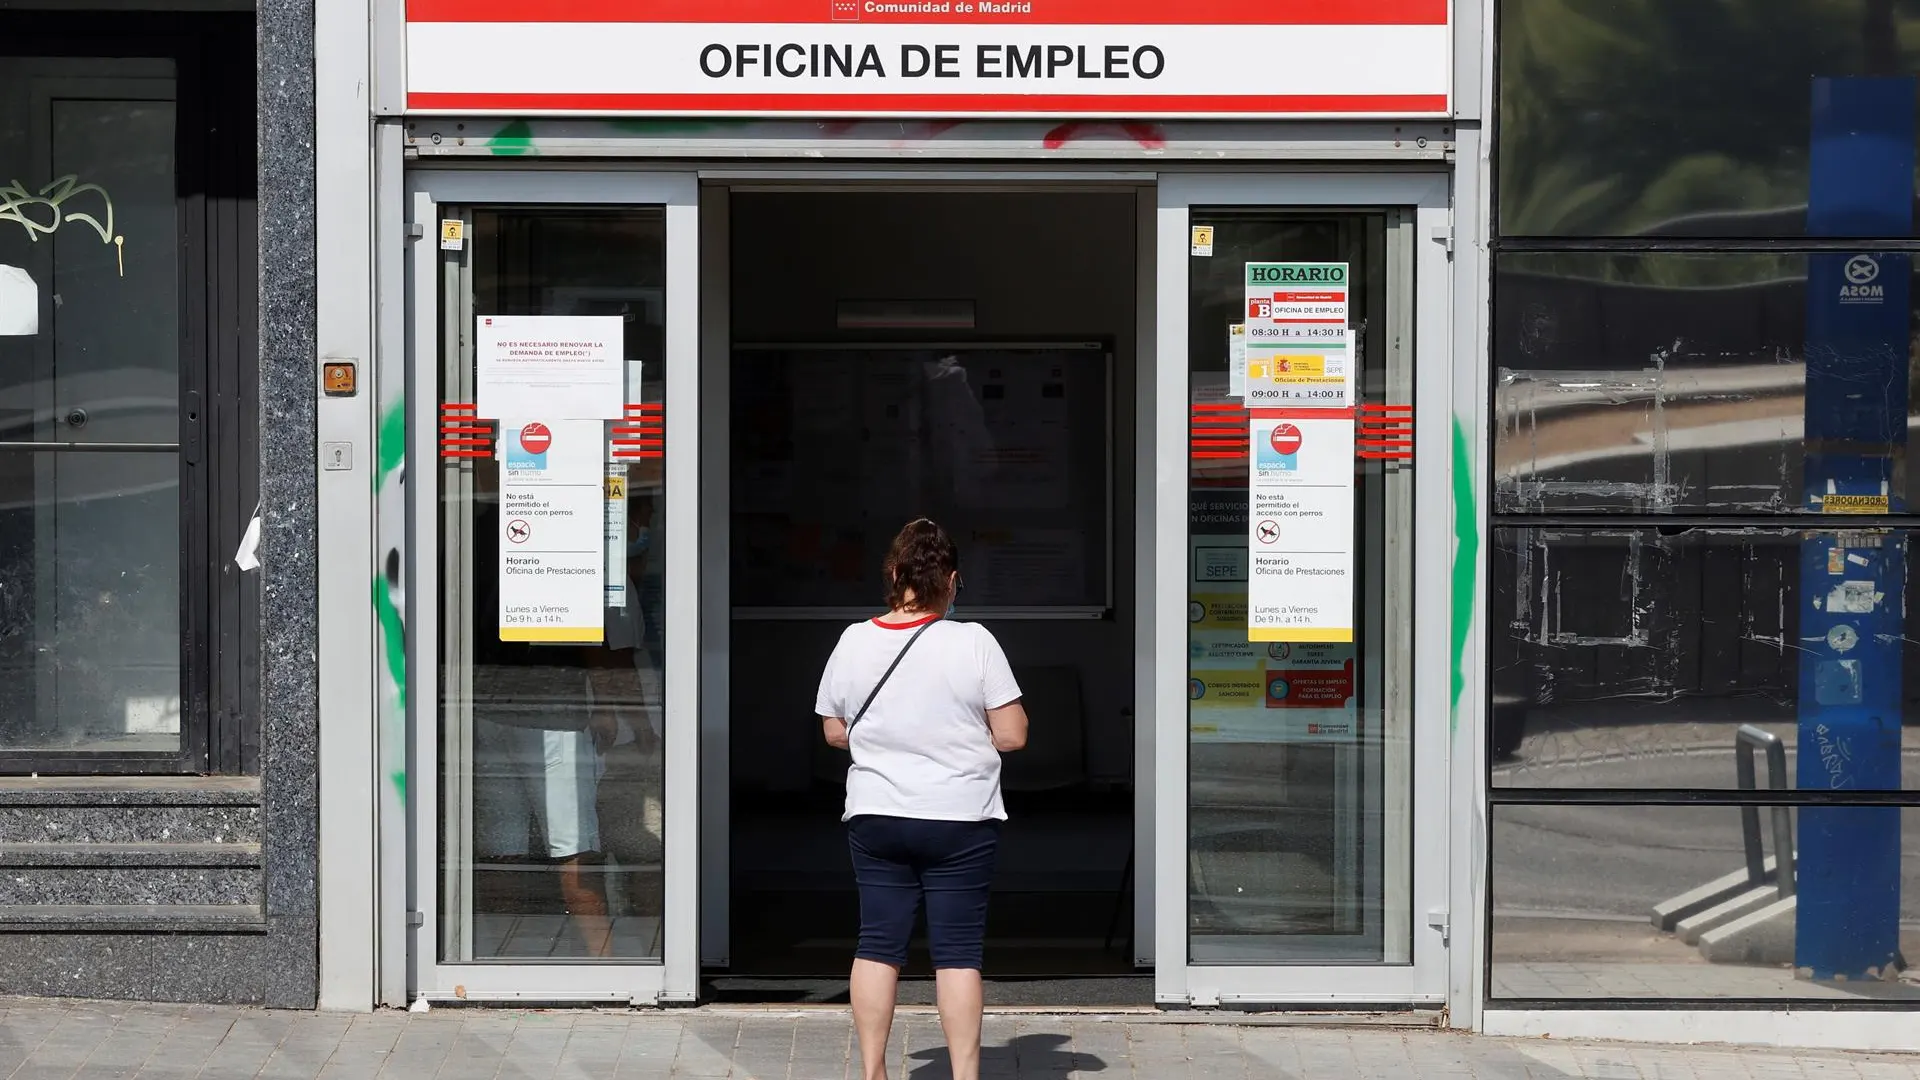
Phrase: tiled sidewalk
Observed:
(44, 1040)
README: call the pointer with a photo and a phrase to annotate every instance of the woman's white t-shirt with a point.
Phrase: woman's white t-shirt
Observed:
(923, 750)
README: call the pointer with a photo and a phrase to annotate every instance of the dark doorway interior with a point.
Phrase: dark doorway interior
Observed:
(842, 302)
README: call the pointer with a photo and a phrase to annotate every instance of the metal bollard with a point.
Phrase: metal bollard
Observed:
(1745, 743)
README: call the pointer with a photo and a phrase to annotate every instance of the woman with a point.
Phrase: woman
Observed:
(927, 705)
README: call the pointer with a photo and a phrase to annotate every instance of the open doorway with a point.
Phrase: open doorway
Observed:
(969, 355)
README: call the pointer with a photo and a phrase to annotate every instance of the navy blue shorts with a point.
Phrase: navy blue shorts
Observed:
(896, 861)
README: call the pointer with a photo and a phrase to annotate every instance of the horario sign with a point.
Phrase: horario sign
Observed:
(1016, 58)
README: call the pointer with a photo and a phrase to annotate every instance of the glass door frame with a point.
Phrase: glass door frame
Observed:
(676, 977)
(1425, 310)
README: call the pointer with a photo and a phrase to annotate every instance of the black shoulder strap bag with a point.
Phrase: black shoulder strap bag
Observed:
(888, 674)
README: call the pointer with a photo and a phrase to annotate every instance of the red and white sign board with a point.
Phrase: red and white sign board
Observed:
(1009, 58)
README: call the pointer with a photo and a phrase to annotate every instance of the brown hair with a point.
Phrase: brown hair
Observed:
(922, 561)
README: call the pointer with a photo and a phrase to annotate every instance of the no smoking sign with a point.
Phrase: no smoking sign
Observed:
(535, 438)
(1285, 439)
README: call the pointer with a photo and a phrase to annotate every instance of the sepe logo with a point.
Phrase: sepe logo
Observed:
(1279, 452)
(527, 449)
(1862, 284)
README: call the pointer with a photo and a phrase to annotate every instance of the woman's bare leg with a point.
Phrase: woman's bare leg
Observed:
(961, 1001)
(872, 993)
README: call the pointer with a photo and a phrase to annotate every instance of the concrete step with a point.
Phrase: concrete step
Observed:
(129, 918)
(13, 854)
(130, 810)
(1693, 926)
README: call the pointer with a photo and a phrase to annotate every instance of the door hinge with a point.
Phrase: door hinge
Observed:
(416, 231)
(415, 918)
(1442, 921)
(1443, 235)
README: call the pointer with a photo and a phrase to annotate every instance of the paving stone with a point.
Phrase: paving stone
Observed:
(92, 1041)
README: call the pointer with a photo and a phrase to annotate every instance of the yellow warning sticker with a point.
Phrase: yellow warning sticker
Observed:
(616, 487)
(1854, 504)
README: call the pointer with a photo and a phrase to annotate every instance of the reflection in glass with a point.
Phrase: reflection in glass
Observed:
(1676, 119)
(1630, 657)
(1004, 445)
(89, 601)
(1299, 839)
(551, 767)
(90, 539)
(1680, 382)
(1575, 892)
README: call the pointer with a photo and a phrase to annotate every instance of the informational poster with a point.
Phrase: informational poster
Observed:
(1242, 691)
(1300, 526)
(557, 367)
(1025, 445)
(1024, 567)
(1237, 361)
(616, 539)
(553, 532)
(617, 495)
(1299, 349)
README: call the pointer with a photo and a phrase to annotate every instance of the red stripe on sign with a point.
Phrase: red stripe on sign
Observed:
(1044, 12)
(831, 104)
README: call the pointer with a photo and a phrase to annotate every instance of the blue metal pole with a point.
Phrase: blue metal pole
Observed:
(1853, 584)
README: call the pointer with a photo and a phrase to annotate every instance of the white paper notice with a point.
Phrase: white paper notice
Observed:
(557, 367)
(1241, 691)
(19, 303)
(1300, 527)
(1299, 349)
(553, 504)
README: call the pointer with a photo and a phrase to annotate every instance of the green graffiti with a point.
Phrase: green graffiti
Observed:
(394, 632)
(390, 450)
(1466, 560)
(391, 441)
(513, 140)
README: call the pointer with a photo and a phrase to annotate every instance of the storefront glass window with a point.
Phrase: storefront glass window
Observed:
(1299, 753)
(1685, 382)
(551, 736)
(1685, 119)
(1649, 902)
(1656, 658)
(90, 408)
(1698, 581)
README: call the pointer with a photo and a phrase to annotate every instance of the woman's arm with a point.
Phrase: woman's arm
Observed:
(835, 729)
(1008, 724)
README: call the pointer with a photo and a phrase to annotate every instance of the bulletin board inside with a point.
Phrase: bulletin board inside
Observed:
(1009, 446)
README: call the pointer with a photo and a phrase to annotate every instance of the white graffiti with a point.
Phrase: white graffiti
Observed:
(43, 212)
